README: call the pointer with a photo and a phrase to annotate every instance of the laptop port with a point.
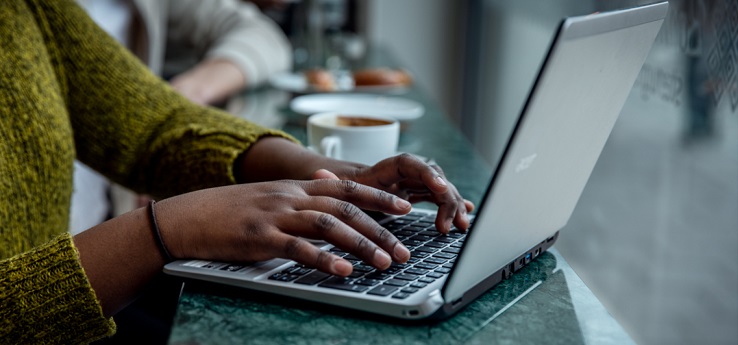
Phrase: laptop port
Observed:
(413, 312)
(528, 257)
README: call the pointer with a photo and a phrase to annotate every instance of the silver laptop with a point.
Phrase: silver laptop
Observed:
(570, 111)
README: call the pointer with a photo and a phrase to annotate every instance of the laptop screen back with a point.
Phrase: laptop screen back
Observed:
(569, 114)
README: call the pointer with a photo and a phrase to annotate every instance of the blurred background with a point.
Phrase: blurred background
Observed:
(655, 234)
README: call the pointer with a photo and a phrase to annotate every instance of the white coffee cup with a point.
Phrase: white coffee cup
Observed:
(363, 139)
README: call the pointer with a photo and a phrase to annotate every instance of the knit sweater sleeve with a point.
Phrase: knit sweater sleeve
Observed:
(130, 125)
(44, 291)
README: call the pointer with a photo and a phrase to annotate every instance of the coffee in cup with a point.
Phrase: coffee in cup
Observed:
(363, 139)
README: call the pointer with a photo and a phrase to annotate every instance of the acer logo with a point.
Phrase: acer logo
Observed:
(525, 162)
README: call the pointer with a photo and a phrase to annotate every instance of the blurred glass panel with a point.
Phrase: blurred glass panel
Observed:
(655, 234)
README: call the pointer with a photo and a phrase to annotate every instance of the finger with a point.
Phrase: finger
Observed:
(299, 250)
(322, 225)
(359, 221)
(406, 166)
(360, 195)
(324, 174)
(469, 206)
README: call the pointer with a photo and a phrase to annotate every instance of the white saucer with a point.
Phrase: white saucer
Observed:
(402, 109)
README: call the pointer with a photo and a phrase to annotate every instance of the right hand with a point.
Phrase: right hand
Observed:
(261, 221)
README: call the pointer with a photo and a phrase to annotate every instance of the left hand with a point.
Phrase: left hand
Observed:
(414, 180)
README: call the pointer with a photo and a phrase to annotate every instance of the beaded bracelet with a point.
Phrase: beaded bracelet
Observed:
(157, 233)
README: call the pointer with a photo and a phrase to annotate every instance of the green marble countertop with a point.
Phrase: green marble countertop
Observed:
(545, 302)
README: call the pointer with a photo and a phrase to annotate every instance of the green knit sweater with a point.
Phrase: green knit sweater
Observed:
(68, 90)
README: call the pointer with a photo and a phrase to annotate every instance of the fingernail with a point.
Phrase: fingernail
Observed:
(402, 203)
(401, 252)
(440, 181)
(381, 258)
(342, 267)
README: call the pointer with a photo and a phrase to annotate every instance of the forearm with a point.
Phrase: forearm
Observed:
(120, 257)
(210, 81)
(273, 158)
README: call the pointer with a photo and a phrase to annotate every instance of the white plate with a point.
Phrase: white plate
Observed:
(402, 109)
(297, 83)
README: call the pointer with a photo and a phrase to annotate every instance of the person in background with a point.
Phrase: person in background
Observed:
(208, 49)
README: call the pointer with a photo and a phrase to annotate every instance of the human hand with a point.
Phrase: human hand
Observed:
(414, 180)
(260, 221)
(210, 81)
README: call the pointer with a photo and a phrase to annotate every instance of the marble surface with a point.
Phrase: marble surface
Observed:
(545, 302)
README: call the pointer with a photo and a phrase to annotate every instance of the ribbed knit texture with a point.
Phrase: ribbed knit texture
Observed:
(66, 90)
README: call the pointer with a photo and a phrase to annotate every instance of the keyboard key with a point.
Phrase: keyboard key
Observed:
(443, 270)
(399, 265)
(363, 268)
(451, 250)
(419, 254)
(412, 243)
(408, 277)
(402, 221)
(421, 238)
(283, 277)
(231, 268)
(444, 239)
(412, 260)
(435, 244)
(418, 284)
(396, 282)
(448, 265)
(344, 284)
(382, 290)
(395, 227)
(435, 260)
(434, 275)
(426, 249)
(410, 290)
(444, 255)
(425, 266)
(417, 271)
(424, 223)
(457, 244)
(405, 233)
(378, 276)
(313, 278)
(368, 282)
(391, 270)
(426, 280)
(401, 295)
(356, 274)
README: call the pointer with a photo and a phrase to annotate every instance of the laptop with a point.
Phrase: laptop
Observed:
(577, 96)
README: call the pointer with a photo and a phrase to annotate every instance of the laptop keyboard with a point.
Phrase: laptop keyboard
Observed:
(432, 255)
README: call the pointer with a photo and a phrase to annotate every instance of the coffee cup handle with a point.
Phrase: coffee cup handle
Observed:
(331, 147)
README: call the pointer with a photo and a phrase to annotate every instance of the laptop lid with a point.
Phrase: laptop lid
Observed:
(578, 94)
